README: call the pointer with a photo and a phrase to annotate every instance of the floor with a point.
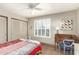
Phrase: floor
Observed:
(49, 50)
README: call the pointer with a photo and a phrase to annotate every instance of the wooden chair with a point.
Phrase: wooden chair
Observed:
(60, 37)
(67, 46)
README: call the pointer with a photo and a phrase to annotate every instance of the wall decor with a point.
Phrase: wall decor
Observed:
(66, 24)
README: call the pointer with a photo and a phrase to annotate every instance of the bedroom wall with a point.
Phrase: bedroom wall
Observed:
(55, 20)
(77, 31)
(10, 15)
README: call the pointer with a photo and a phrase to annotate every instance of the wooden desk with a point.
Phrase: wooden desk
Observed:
(60, 37)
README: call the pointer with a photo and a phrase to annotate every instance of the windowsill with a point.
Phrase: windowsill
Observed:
(42, 36)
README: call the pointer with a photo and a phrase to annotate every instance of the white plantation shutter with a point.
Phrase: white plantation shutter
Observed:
(42, 28)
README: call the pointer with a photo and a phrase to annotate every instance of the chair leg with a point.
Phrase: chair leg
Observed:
(71, 51)
(64, 51)
(56, 46)
(59, 50)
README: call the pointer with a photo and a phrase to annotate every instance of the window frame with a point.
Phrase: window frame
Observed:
(42, 28)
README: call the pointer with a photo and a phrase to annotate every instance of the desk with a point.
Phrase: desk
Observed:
(76, 48)
(60, 37)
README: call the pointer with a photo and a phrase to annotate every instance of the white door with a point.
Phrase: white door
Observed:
(15, 30)
(2, 29)
(23, 29)
(76, 48)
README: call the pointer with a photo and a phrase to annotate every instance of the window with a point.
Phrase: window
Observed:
(42, 28)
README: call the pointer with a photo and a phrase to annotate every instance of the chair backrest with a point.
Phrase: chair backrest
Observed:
(68, 43)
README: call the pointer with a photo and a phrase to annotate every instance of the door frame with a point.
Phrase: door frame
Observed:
(6, 26)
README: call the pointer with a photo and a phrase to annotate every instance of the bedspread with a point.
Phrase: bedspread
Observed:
(23, 47)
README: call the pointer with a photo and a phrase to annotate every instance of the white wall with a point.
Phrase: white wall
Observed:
(55, 19)
(77, 23)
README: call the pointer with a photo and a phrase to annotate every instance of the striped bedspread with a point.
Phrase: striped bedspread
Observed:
(23, 47)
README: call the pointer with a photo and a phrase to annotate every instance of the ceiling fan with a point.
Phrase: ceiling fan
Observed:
(33, 6)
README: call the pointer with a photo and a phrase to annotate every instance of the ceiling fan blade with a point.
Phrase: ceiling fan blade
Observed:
(33, 5)
(38, 8)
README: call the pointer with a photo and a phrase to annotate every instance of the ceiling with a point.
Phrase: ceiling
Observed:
(46, 8)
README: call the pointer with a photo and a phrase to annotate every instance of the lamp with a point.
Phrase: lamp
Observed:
(57, 29)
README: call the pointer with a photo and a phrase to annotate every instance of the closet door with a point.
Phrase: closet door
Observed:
(15, 29)
(3, 33)
(23, 29)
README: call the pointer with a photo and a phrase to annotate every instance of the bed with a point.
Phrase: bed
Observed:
(21, 47)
